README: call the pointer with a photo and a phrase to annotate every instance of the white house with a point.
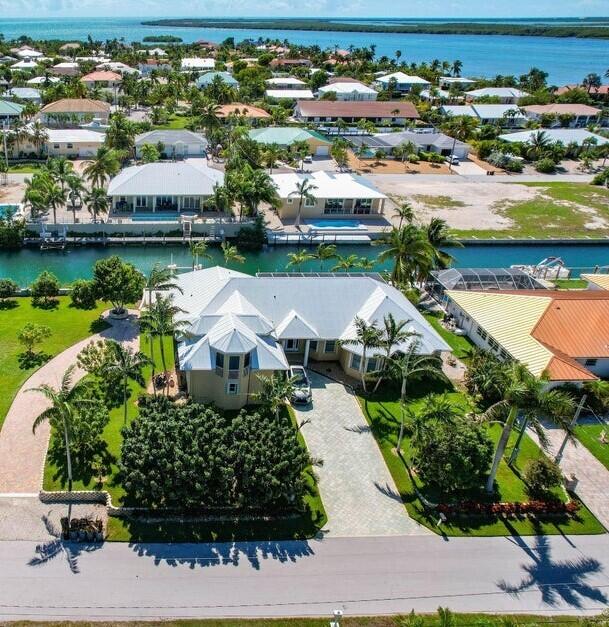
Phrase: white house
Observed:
(446, 82)
(289, 94)
(506, 95)
(285, 82)
(565, 136)
(26, 65)
(178, 144)
(404, 83)
(508, 115)
(196, 64)
(349, 91)
(580, 115)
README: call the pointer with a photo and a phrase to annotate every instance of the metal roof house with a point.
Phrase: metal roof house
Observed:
(404, 83)
(10, 110)
(179, 144)
(206, 79)
(169, 187)
(508, 115)
(565, 136)
(348, 91)
(240, 327)
(286, 136)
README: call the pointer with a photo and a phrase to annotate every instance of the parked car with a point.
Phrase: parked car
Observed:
(453, 160)
(308, 159)
(302, 386)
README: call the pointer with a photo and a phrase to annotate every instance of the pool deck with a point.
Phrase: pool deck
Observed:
(375, 225)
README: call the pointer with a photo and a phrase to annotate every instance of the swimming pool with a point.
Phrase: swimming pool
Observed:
(334, 225)
(6, 209)
(154, 217)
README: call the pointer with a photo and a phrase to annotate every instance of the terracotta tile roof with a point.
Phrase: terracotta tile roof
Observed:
(563, 109)
(100, 76)
(76, 105)
(358, 109)
(603, 90)
(561, 369)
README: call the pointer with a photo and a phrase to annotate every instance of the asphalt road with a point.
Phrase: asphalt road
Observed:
(360, 576)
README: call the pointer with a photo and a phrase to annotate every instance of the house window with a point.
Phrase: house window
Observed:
(220, 364)
(363, 205)
(290, 200)
(291, 346)
(330, 346)
(334, 205)
(246, 364)
(233, 366)
(232, 388)
(70, 146)
(309, 202)
(481, 332)
(313, 346)
(591, 362)
(56, 146)
(493, 344)
(191, 202)
(356, 362)
(140, 201)
(372, 364)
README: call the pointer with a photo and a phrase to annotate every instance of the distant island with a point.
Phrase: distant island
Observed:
(448, 28)
(163, 39)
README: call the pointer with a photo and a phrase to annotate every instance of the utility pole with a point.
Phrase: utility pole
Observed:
(572, 424)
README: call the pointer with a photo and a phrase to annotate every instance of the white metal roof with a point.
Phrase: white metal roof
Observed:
(403, 79)
(292, 94)
(284, 80)
(327, 185)
(192, 177)
(347, 88)
(499, 92)
(74, 136)
(196, 63)
(564, 135)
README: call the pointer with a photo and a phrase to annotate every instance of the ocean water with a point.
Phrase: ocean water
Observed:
(566, 60)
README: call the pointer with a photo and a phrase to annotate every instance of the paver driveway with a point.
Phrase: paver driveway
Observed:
(358, 492)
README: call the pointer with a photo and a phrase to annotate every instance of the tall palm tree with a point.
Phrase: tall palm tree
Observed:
(298, 258)
(405, 213)
(304, 191)
(344, 264)
(323, 253)
(411, 365)
(55, 198)
(528, 396)
(198, 250)
(256, 186)
(439, 238)
(538, 144)
(275, 392)
(76, 191)
(65, 405)
(38, 135)
(366, 264)
(161, 279)
(231, 254)
(460, 128)
(209, 120)
(61, 169)
(410, 251)
(97, 201)
(367, 336)
(105, 165)
(126, 364)
(393, 333)
(272, 154)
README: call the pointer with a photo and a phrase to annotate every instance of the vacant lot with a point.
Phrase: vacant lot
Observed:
(493, 209)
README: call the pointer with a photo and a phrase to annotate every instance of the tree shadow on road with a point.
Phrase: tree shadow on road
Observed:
(557, 581)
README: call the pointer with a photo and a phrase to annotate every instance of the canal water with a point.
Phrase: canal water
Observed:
(24, 265)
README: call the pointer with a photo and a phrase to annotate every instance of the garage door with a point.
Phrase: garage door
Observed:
(322, 151)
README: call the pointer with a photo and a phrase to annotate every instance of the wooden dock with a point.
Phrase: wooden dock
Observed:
(142, 240)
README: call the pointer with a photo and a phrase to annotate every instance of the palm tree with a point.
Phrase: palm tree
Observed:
(298, 258)
(76, 190)
(38, 135)
(198, 250)
(105, 165)
(97, 200)
(231, 254)
(209, 120)
(591, 81)
(161, 279)
(404, 212)
(65, 404)
(344, 264)
(459, 128)
(367, 336)
(126, 364)
(538, 144)
(439, 237)
(159, 320)
(272, 154)
(528, 396)
(411, 365)
(55, 197)
(411, 252)
(323, 253)
(366, 264)
(304, 191)
(274, 393)
(254, 187)
(62, 170)
(394, 333)
(457, 67)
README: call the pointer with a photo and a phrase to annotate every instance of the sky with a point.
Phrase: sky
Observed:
(310, 8)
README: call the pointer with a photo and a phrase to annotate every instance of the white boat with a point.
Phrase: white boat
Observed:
(548, 268)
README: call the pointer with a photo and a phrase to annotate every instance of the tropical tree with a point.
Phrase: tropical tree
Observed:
(126, 364)
(324, 253)
(344, 264)
(31, 335)
(231, 254)
(275, 392)
(457, 66)
(76, 190)
(253, 187)
(198, 250)
(539, 143)
(61, 170)
(65, 405)
(38, 135)
(439, 238)
(161, 279)
(118, 282)
(529, 397)
(410, 251)
(460, 128)
(393, 333)
(97, 202)
(105, 165)
(272, 154)
(405, 213)
(54, 197)
(304, 192)
(367, 336)
(591, 81)
(298, 258)
(366, 264)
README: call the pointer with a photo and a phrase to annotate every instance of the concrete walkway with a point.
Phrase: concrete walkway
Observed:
(22, 453)
(593, 478)
(358, 492)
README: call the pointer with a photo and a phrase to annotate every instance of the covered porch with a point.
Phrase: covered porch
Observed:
(152, 204)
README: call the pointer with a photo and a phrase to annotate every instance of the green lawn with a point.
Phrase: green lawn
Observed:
(382, 414)
(570, 284)
(67, 324)
(559, 210)
(175, 123)
(589, 436)
(460, 344)
(24, 168)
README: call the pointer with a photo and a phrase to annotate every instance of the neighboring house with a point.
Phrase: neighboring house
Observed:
(243, 110)
(70, 47)
(446, 82)
(67, 68)
(509, 116)
(404, 83)
(179, 144)
(25, 52)
(10, 111)
(435, 94)
(506, 95)
(601, 92)
(287, 64)
(27, 65)
(563, 335)
(206, 79)
(565, 136)
(597, 281)
(286, 82)
(118, 67)
(6, 60)
(391, 112)
(425, 142)
(582, 115)
(335, 195)
(241, 327)
(286, 136)
(150, 65)
(166, 187)
(348, 91)
(104, 79)
(42, 81)
(24, 93)
(156, 52)
(70, 143)
(74, 112)
(289, 94)
(196, 64)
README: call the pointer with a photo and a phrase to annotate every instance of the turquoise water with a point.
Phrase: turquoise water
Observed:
(334, 224)
(566, 60)
(24, 265)
(4, 209)
(154, 217)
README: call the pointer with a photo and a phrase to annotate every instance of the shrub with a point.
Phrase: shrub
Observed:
(45, 289)
(513, 165)
(252, 237)
(602, 178)
(485, 378)
(545, 166)
(83, 294)
(12, 233)
(413, 158)
(8, 288)
(117, 282)
(542, 475)
(33, 334)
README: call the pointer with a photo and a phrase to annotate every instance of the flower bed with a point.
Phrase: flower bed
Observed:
(529, 508)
